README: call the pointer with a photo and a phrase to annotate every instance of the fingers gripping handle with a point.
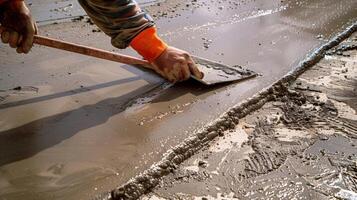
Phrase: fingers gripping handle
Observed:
(89, 51)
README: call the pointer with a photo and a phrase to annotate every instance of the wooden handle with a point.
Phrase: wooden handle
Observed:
(89, 51)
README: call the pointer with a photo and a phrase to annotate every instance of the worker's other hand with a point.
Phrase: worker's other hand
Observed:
(176, 65)
(17, 26)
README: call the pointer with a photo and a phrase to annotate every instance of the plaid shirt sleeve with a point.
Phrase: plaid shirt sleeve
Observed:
(122, 20)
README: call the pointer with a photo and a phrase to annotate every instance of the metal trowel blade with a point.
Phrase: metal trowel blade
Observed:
(215, 73)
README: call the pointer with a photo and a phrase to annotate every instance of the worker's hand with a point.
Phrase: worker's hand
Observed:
(176, 65)
(17, 26)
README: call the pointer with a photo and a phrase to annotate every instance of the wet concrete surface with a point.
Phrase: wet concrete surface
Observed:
(78, 126)
(50, 11)
(299, 146)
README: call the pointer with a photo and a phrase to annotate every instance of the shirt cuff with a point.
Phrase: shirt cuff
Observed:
(148, 44)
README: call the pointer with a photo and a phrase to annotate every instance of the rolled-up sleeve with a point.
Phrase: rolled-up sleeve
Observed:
(122, 20)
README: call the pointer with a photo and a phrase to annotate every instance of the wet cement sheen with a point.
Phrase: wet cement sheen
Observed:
(94, 124)
(300, 146)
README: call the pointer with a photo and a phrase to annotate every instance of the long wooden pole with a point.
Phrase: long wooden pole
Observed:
(89, 51)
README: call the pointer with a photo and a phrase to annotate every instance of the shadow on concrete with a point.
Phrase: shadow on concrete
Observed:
(141, 72)
(31, 138)
(67, 93)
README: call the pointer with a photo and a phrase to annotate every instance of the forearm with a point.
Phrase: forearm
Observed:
(122, 20)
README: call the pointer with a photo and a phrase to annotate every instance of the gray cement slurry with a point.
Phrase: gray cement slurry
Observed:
(92, 125)
(299, 145)
(175, 156)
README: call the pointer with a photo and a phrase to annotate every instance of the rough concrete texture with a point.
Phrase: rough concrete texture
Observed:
(299, 145)
(73, 127)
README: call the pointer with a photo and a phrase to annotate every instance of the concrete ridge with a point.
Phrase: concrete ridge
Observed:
(148, 179)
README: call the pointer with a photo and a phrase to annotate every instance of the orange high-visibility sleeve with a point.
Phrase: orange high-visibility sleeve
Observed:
(148, 44)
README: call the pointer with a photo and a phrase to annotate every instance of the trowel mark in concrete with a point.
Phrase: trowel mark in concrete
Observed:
(335, 175)
(289, 135)
(139, 103)
(176, 109)
(230, 144)
(338, 72)
(345, 111)
(340, 84)
(268, 139)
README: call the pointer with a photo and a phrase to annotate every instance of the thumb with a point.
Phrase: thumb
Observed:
(194, 70)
